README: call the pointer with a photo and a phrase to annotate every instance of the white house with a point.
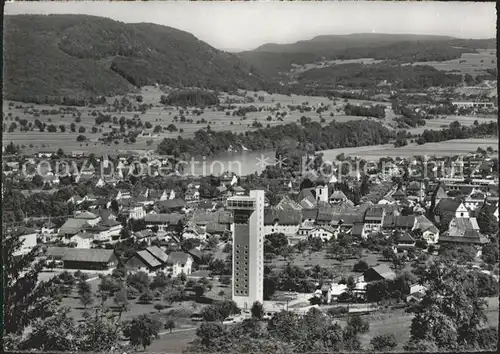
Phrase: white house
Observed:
(179, 262)
(114, 227)
(325, 233)
(122, 194)
(137, 212)
(82, 240)
(168, 195)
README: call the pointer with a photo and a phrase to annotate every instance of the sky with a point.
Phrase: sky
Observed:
(235, 26)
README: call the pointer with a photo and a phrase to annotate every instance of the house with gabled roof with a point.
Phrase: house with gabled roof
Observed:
(430, 232)
(144, 261)
(90, 218)
(178, 263)
(379, 272)
(170, 205)
(338, 197)
(82, 258)
(192, 194)
(474, 200)
(404, 241)
(325, 233)
(76, 199)
(80, 240)
(163, 221)
(281, 220)
(72, 226)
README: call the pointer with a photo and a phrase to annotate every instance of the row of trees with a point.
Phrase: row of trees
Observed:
(312, 136)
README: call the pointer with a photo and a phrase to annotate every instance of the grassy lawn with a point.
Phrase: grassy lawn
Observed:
(322, 259)
(180, 312)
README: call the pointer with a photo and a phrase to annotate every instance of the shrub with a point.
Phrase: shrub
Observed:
(384, 342)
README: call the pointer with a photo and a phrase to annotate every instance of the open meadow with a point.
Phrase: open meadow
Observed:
(443, 148)
(469, 63)
(33, 140)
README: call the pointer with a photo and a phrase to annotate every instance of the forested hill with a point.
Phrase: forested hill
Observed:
(274, 59)
(81, 56)
(311, 136)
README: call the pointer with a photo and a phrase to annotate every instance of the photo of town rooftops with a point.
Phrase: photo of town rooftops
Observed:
(250, 177)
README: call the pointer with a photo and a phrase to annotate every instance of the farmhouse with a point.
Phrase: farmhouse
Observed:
(80, 258)
(380, 272)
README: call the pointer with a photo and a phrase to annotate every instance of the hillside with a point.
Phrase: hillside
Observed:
(48, 57)
(276, 59)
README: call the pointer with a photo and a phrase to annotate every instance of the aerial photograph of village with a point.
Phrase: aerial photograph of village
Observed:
(250, 177)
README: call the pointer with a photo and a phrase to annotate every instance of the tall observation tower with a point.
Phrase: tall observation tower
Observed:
(248, 248)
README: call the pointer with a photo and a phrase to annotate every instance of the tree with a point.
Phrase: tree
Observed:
(487, 222)
(142, 330)
(121, 300)
(158, 307)
(25, 299)
(160, 281)
(170, 325)
(257, 310)
(275, 243)
(388, 253)
(209, 334)
(86, 299)
(451, 313)
(171, 128)
(199, 290)
(358, 324)
(284, 325)
(81, 129)
(361, 266)
(269, 288)
(138, 280)
(146, 297)
(383, 342)
(490, 253)
(57, 332)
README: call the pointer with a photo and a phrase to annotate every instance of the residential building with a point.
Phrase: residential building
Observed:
(430, 232)
(325, 233)
(164, 222)
(248, 248)
(338, 197)
(279, 220)
(178, 263)
(72, 226)
(137, 212)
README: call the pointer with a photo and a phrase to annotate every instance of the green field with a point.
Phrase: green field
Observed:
(33, 141)
(444, 148)
(159, 115)
(475, 63)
